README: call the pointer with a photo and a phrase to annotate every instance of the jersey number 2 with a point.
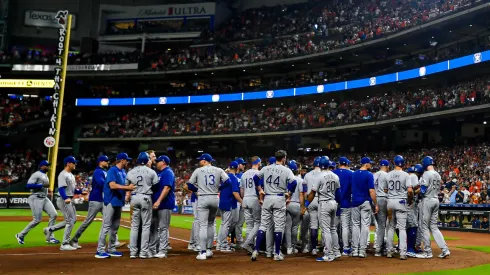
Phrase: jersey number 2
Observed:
(140, 179)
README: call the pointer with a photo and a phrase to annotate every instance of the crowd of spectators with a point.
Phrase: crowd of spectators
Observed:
(18, 165)
(17, 109)
(293, 117)
(307, 30)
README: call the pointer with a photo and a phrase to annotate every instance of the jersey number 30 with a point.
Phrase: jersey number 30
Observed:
(395, 185)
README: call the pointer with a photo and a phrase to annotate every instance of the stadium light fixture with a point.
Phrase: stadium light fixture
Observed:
(484, 122)
(243, 70)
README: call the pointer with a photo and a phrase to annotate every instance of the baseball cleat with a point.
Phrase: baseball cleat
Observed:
(116, 254)
(75, 245)
(389, 254)
(411, 254)
(354, 254)
(119, 244)
(325, 259)
(209, 253)
(20, 240)
(269, 254)
(314, 251)
(346, 252)
(160, 255)
(190, 247)
(169, 247)
(444, 254)
(378, 254)
(201, 256)
(403, 257)
(47, 233)
(54, 241)
(424, 256)
(362, 254)
(255, 255)
(227, 249)
(133, 257)
(278, 257)
(102, 255)
(291, 251)
(306, 250)
(67, 247)
(218, 248)
(337, 255)
(197, 248)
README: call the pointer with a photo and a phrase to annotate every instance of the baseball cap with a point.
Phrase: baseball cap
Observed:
(44, 163)
(206, 157)
(366, 160)
(234, 165)
(123, 156)
(164, 159)
(410, 170)
(272, 160)
(384, 162)
(240, 161)
(344, 161)
(102, 158)
(70, 159)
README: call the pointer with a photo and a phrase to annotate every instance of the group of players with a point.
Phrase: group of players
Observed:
(273, 201)
(276, 199)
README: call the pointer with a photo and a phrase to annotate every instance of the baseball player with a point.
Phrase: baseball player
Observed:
(336, 244)
(345, 178)
(163, 203)
(207, 180)
(362, 194)
(114, 188)
(399, 190)
(419, 170)
(144, 178)
(381, 217)
(250, 204)
(327, 185)
(228, 198)
(293, 211)
(241, 213)
(66, 189)
(38, 183)
(429, 188)
(194, 240)
(412, 214)
(95, 204)
(312, 214)
(278, 179)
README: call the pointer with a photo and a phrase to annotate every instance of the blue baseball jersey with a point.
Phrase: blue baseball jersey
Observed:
(166, 178)
(345, 177)
(362, 181)
(98, 181)
(226, 199)
(114, 197)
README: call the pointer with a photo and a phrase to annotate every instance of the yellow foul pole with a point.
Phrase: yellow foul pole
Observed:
(64, 19)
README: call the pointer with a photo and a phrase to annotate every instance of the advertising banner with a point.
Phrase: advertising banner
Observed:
(44, 19)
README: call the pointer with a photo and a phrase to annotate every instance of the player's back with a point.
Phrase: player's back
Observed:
(276, 178)
(208, 179)
(295, 196)
(397, 184)
(247, 183)
(432, 180)
(310, 179)
(378, 183)
(39, 177)
(143, 178)
(327, 185)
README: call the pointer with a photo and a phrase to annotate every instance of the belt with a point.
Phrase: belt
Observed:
(200, 195)
(279, 195)
(295, 201)
(134, 194)
(251, 196)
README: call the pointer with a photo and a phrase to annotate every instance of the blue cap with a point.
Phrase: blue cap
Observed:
(123, 156)
(70, 159)
(44, 163)
(293, 166)
(256, 161)
(272, 160)
(102, 158)
(240, 161)
(233, 165)
(332, 164)
(324, 162)
(366, 160)
(164, 159)
(143, 158)
(316, 162)
(410, 170)
(384, 162)
(418, 168)
(206, 157)
(344, 161)
(427, 161)
(399, 161)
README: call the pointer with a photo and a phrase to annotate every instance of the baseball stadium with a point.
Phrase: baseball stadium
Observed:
(245, 137)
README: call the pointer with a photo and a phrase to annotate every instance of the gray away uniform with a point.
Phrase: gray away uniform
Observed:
(398, 182)
(413, 211)
(430, 209)
(326, 187)
(381, 217)
(39, 202)
(310, 218)
(67, 180)
(293, 215)
(250, 205)
(207, 180)
(143, 178)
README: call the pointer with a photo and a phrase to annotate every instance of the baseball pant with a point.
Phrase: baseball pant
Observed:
(420, 210)
(252, 218)
(239, 224)
(273, 213)
(227, 222)
(70, 218)
(305, 230)
(215, 231)
(381, 218)
(412, 216)
(94, 207)
(293, 211)
(361, 220)
(207, 207)
(111, 218)
(346, 221)
(159, 237)
(329, 230)
(195, 226)
(38, 205)
(269, 239)
(338, 228)
(142, 213)
(398, 220)
(429, 225)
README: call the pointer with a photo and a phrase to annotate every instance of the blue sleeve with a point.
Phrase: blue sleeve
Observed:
(292, 186)
(423, 189)
(191, 187)
(305, 188)
(370, 181)
(78, 191)
(337, 195)
(63, 192)
(111, 176)
(257, 181)
(34, 186)
(225, 184)
(98, 179)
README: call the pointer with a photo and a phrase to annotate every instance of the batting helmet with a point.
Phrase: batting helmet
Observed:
(324, 162)
(399, 161)
(418, 168)
(292, 165)
(143, 158)
(427, 161)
